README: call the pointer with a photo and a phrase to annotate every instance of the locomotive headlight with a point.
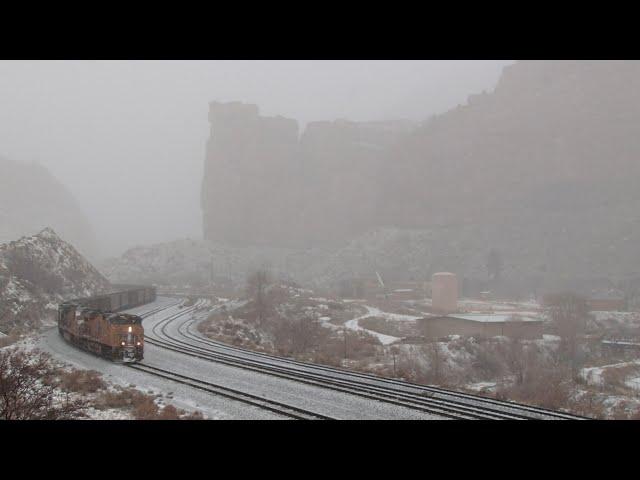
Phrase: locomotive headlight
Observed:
(130, 330)
(138, 343)
(122, 343)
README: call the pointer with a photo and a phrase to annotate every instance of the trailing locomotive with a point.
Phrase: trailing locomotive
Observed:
(95, 325)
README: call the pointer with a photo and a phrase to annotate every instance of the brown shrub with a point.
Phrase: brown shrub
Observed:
(169, 413)
(547, 386)
(26, 389)
(195, 415)
(82, 381)
(144, 408)
(121, 398)
(8, 340)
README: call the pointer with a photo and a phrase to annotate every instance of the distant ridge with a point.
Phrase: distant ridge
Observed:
(32, 199)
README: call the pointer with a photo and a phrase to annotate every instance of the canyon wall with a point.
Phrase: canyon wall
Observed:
(544, 169)
(265, 185)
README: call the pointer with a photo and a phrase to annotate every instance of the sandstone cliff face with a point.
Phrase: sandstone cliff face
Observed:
(544, 169)
(249, 174)
(264, 186)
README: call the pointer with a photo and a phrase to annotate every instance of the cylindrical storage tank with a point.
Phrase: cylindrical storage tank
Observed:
(444, 292)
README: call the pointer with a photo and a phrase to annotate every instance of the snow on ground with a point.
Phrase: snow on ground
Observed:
(620, 317)
(633, 382)
(372, 312)
(180, 396)
(326, 322)
(353, 324)
(108, 414)
(482, 387)
(396, 317)
(551, 338)
(318, 399)
(593, 375)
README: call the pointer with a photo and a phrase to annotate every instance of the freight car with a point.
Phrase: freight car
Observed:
(95, 324)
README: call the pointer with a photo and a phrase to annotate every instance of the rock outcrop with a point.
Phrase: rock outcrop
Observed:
(36, 273)
(265, 186)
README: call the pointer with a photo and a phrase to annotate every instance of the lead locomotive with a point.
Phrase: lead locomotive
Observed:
(93, 324)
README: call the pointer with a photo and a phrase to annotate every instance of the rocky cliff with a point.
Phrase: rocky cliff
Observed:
(263, 185)
(543, 169)
(36, 273)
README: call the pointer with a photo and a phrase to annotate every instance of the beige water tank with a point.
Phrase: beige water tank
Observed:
(444, 292)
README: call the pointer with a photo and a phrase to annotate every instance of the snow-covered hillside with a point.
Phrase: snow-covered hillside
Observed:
(193, 262)
(394, 253)
(36, 273)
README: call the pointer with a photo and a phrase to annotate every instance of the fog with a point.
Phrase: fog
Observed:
(127, 138)
(460, 225)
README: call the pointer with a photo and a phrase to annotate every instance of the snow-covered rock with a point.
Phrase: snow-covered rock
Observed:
(38, 272)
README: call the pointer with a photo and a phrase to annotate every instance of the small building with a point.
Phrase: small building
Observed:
(400, 294)
(607, 301)
(481, 325)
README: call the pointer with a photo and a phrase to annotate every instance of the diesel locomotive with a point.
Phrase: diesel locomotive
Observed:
(98, 325)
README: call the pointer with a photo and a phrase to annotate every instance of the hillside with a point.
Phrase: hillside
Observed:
(36, 273)
(32, 199)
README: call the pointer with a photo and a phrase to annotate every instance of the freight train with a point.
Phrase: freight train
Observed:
(96, 324)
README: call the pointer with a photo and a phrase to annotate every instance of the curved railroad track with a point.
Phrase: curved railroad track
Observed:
(435, 401)
(280, 408)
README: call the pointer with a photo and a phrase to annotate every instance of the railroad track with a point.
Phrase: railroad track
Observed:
(280, 408)
(463, 407)
(159, 309)
(445, 394)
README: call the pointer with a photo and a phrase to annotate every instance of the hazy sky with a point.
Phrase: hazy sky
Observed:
(128, 137)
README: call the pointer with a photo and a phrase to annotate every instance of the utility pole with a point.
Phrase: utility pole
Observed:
(211, 271)
(394, 363)
(344, 331)
(393, 356)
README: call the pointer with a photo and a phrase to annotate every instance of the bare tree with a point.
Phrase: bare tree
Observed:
(494, 264)
(435, 373)
(516, 359)
(257, 284)
(27, 391)
(569, 313)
